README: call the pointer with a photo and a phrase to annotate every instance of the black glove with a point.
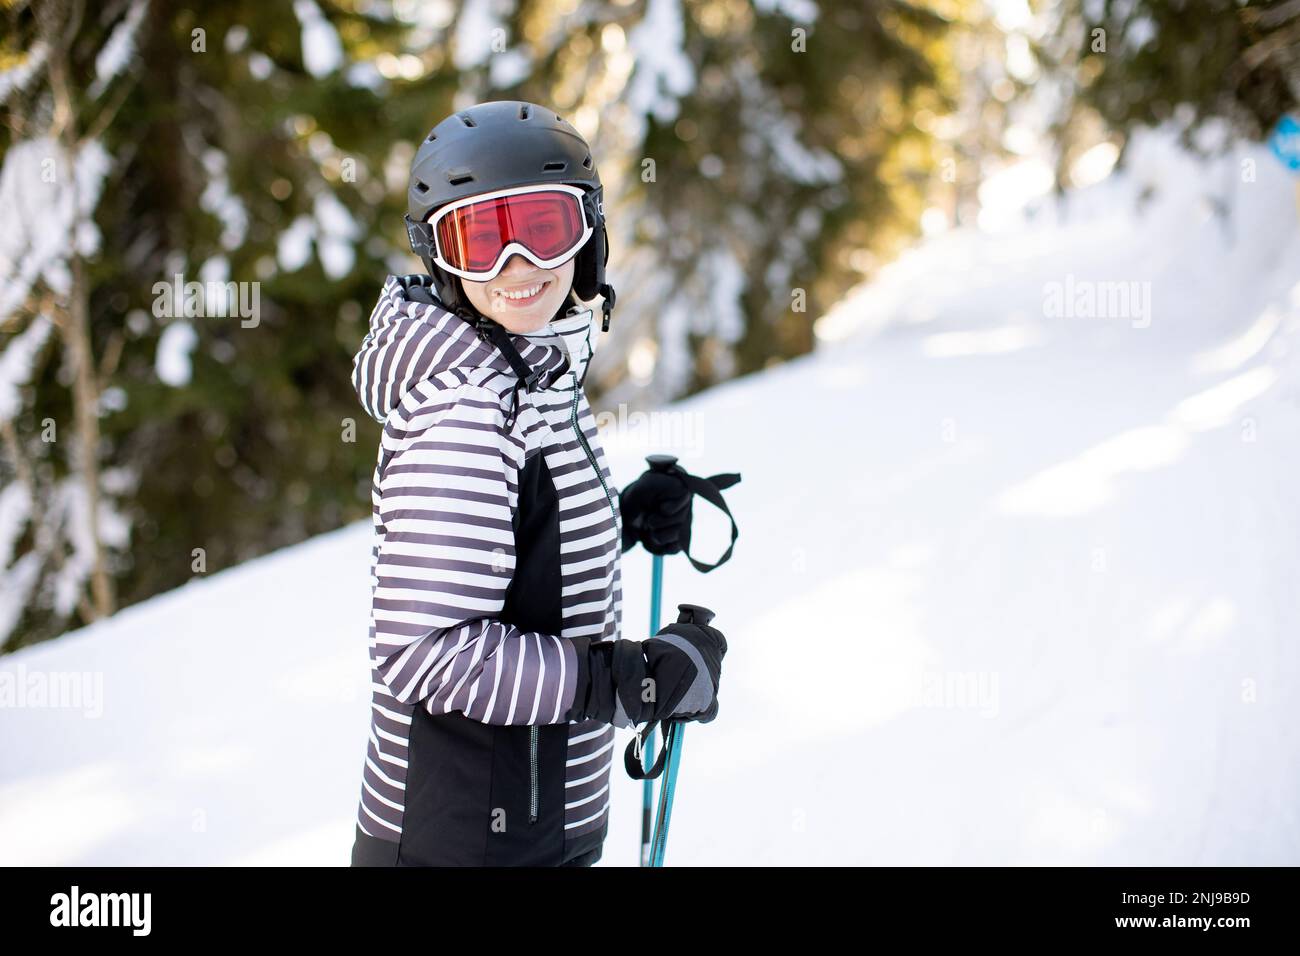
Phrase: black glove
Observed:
(671, 676)
(685, 662)
(657, 512)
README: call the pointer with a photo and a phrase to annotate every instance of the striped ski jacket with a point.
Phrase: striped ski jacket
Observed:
(496, 544)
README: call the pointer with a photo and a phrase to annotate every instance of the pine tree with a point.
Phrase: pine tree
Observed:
(61, 533)
(758, 157)
(237, 144)
(755, 153)
(1149, 62)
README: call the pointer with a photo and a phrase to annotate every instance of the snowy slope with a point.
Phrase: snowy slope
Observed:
(1010, 588)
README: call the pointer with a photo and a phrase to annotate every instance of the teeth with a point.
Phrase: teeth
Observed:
(523, 293)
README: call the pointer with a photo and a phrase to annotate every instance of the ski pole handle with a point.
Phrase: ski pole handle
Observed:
(694, 614)
(662, 463)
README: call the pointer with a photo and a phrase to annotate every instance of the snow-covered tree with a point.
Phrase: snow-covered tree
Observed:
(59, 525)
(1145, 63)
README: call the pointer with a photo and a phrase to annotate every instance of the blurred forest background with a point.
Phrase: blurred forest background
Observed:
(760, 158)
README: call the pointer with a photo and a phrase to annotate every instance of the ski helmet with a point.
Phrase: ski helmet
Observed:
(498, 145)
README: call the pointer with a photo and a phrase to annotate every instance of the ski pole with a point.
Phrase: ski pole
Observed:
(647, 786)
(690, 614)
(657, 463)
(667, 790)
(641, 748)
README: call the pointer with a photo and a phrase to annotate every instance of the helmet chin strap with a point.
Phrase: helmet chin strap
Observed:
(499, 335)
(496, 334)
(607, 304)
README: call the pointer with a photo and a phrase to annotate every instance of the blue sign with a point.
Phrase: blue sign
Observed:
(1285, 142)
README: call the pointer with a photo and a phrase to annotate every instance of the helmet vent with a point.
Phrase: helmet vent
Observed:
(460, 179)
(587, 162)
(421, 186)
(468, 120)
(554, 166)
(431, 137)
(523, 112)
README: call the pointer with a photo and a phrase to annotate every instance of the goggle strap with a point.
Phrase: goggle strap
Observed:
(593, 205)
(420, 236)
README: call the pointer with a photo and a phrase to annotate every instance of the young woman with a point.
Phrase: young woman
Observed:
(498, 670)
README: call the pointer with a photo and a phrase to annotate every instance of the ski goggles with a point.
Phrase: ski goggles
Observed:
(473, 238)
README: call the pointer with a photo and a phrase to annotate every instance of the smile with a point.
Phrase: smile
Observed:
(523, 296)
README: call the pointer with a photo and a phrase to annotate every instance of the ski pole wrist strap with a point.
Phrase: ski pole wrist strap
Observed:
(710, 489)
(632, 755)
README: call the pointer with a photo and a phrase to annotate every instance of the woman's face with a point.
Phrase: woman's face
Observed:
(522, 297)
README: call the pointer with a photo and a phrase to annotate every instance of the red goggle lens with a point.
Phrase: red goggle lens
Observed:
(547, 224)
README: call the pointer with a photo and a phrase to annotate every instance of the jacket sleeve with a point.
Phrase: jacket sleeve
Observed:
(446, 555)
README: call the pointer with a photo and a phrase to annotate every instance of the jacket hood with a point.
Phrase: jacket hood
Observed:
(410, 342)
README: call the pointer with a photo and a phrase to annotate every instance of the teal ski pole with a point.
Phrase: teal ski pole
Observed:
(675, 734)
(643, 765)
(647, 785)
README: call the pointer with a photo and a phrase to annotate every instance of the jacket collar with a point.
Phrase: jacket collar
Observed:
(410, 341)
(564, 344)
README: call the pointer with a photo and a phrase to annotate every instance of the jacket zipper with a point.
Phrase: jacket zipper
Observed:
(582, 439)
(533, 733)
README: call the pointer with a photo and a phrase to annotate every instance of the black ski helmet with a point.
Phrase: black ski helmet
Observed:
(497, 145)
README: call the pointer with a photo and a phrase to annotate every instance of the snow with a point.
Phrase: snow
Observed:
(218, 199)
(236, 38)
(780, 131)
(293, 248)
(116, 53)
(16, 584)
(260, 66)
(336, 256)
(1010, 589)
(114, 534)
(336, 232)
(476, 27)
(16, 365)
(172, 360)
(365, 76)
(800, 11)
(725, 318)
(510, 68)
(322, 51)
(49, 199)
(215, 272)
(18, 578)
(15, 509)
(663, 72)
(1004, 194)
(17, 77)
(427, 16)
(112, 399)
